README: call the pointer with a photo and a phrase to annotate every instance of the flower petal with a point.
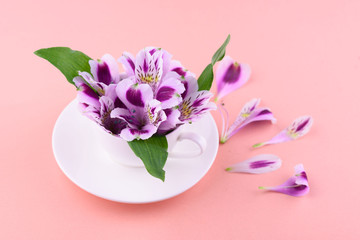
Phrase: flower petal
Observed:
(175, 66)
(296, 185)
(249, 113)
(85, 94)
(190, 84)
(172, 119)
(128, 62)
(298, 128)
(170, 90)
(105, 70)
(134, 95)
(149, 67)
(259, 164)
(129, 134)
(230, 76)
(195, 105)
(99, 87)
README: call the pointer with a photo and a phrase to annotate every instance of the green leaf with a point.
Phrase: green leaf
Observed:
(153, 153)
(206, 78)
(220, 53)
(68, 61)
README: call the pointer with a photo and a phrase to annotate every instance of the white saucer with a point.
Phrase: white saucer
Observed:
(82, 160)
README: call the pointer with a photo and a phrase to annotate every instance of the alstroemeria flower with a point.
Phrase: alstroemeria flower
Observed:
(230, 75)
(98, 108)
(149, 66)
(195, 103)
(154, 67)
(104, 72)
(143, 114)
(296, 186)
(259, 164)
(249, 113)
(298, 128)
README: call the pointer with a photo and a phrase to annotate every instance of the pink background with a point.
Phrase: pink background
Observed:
(305, 57)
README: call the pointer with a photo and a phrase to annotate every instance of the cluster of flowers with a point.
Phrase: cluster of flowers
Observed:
(154, 95)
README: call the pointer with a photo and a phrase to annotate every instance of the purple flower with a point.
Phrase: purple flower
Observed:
(259, 164)
(195, 103)
(155, 95)
(143, 113)
(98, 107)
(249, 113)
(295, 186)
(298, 128)
(230, 75)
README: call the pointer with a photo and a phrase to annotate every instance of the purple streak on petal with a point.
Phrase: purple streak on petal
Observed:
(134, 96)
(165, 93)
(303, 175)
(138, 132)
(296, 185)
(265, 111)
(179, 71)
(230, 76)
(145, 65)
(198, 102)
(291, 187)
(233, 73)
(186, 86)
(261, 164)
(131, 63)
(152, 51)
(103, 73)
(301, 126)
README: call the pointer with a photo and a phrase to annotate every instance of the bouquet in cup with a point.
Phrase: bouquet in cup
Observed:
(153, 97)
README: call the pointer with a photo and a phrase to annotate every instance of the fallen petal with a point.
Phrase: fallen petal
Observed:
(262, 163)
(295, 186)
(230, 76)
(298, 128)
(249, 113)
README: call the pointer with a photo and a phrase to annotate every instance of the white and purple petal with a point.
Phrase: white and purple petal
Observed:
(85, 94)
(171, 122)
(149, 67)
(190, 85)
(298, 128)
(262, 163)
(134, 95)
(99, 87)
(105, 70)
(129, 134)
(249, 113)
(195, 105)
(296, 185)
(230, 76)
(128, 62)
(170, 90)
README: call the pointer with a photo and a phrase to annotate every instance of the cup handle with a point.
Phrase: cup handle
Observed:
(197, 139)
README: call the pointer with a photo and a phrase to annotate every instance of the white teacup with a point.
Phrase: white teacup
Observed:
(120, 151)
